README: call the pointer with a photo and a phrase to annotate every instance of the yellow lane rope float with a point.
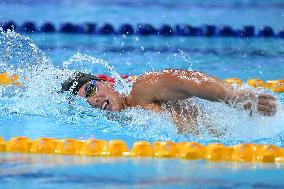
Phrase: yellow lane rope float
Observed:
(274, 85)
(216, 152)
(8, 79)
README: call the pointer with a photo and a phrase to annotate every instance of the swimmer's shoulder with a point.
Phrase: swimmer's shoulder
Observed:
(144, 88)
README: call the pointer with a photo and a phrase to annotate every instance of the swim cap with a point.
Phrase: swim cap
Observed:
(76, 81)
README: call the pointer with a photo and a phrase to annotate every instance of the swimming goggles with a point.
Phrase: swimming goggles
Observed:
(91, 88)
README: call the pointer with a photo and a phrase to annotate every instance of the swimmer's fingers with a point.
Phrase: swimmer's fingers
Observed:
(267, 96)
(268, 102)
(264, 113)
(266, 109)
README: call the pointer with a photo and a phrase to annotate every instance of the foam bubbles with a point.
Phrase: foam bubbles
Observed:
(237, 124)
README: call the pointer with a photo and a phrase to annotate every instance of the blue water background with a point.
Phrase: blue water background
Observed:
(43, 115)
(234, 12)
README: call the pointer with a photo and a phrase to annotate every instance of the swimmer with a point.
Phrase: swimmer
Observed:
(157, 91)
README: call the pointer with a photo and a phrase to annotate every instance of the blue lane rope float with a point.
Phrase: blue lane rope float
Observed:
(29, 27)
(47, 28)
(166, 30)
(209, 30)
(106, 29)
(144, 29)
(126, 29)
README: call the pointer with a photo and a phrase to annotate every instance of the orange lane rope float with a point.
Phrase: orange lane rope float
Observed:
(275, 85)
(7, 79)
(216, 152)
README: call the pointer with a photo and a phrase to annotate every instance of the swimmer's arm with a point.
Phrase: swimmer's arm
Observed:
(180, 84)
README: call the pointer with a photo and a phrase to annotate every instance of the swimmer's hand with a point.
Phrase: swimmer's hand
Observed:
(265, 104)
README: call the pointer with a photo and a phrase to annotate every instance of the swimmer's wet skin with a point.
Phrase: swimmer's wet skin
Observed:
(151, 90)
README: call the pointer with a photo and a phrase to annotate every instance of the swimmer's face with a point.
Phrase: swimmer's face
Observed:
(104, 97)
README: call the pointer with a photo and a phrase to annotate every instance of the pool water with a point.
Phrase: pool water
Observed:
(43, 61)
(236, 13)
(22, 171)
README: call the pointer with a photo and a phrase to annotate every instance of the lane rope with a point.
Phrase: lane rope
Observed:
(215, 152)
(7, 79)
(143, 29)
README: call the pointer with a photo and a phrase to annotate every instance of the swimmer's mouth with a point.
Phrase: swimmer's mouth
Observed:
(105, 104)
